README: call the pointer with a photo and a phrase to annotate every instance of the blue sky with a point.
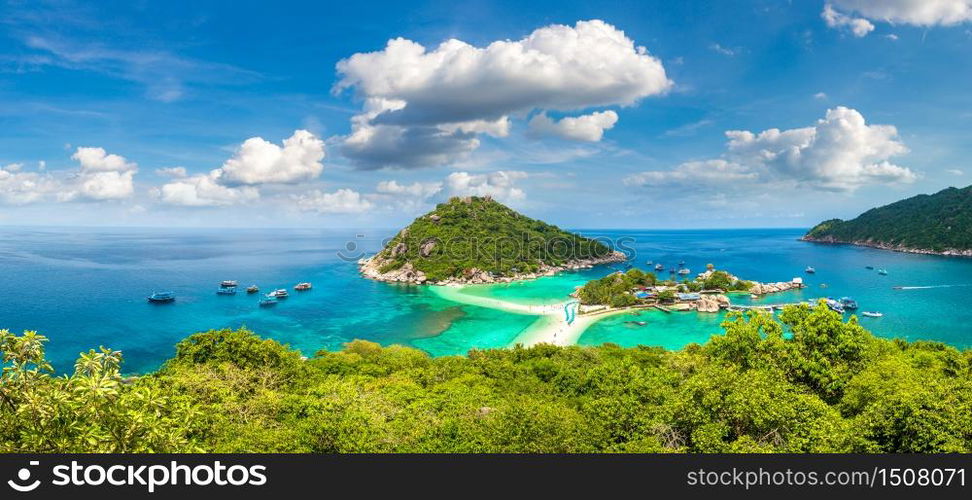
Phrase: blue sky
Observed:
(735, 114)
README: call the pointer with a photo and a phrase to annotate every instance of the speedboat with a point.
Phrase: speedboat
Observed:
(303, 287)
(226, 290)
(897, 288)
(268, 301)
(649, 262)
(809, 270)
(848, 303)
(659, 267)
(161, 297)
(684, 270)
(869, 267)
(872, 314)
(281, 293)
(883, 272)
(681, 263)
(252, 289)
(228, 283)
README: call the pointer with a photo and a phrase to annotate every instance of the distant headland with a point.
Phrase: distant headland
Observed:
(939, 224)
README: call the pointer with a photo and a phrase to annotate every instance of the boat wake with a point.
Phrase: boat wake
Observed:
(929, 286)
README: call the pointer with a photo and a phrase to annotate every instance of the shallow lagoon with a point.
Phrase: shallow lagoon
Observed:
(87, 287)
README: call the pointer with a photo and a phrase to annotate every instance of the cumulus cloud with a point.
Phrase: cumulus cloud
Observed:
(262, 162)
(585, 128)
(18, 187)
(342, 201)
(858, 26)
(841, 152)
(955, 171)
(416, 189)
(501, 185)
(926, 13)
(425, 107)
(204, 190)
(103, 176)
(256, 162)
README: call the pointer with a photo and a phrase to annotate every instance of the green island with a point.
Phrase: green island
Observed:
(475, 240)
(940, 223)
(809, 382)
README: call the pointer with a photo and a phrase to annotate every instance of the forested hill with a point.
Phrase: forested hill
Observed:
(477, 239)
(808, 383)
(937, 223)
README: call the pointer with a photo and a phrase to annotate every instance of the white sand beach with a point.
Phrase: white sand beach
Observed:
(551, 327)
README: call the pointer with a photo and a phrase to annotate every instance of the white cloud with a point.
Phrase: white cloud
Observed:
(425, 107)
(173, 172)
(820, 96)
(18, 187)
(706, 173)
(204, 190)
(255, 163)
(501, 185)
(98, 160)
(925, 13)
(841, 152)
(723, 50)
(955, 171)
(103, 176)
(342, 201)
(858, 26)
(261, 162)
(587, 128)
(416, 189)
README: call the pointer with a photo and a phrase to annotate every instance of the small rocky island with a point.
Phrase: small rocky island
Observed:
(477, 240)
(708, 292)
(939, 224)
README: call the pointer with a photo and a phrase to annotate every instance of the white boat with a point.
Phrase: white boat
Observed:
(228, 283)
(883, 272)
(872, 314)
(809, 270)
(684, 270)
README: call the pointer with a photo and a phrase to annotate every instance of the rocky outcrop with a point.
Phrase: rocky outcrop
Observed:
(426, 249)
(371, 268)
(782, 286)
(712, 303)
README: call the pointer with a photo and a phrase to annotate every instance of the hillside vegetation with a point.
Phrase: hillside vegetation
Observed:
(478, 233)
(825, 386)
(940, 222)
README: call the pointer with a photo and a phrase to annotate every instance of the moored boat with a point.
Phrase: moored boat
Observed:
(872, 314)
(809, 270)
(684, 270)
(268, 301)
(301, 287)
(280, 293)
(226, 290)
(868, 267)
(228, 283)
(161, 297)
(659, 267)
(848, 303)
(883, 272)
(835, 305)
(252, 289)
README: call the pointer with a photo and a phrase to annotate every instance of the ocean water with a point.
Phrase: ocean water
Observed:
(83, 288)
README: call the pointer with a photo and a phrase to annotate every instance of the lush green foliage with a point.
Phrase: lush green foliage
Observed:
(936, 222)
(721, 280)
(480, 233)
(615, 289)
(810, 383)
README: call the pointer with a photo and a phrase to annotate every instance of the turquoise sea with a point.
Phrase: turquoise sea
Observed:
(86, 287)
